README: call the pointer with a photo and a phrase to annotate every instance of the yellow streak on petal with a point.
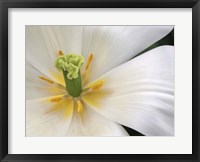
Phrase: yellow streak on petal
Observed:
(66, 105)
(54, 90)
(89, 60)
(56, 99)
(95, 98)
(69, 109)
(46, 79)
(98, 85)
(58, 76)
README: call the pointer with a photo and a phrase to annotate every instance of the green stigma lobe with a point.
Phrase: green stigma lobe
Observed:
(71, 64)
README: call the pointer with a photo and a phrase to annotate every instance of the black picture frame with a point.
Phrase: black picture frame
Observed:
(6, 4)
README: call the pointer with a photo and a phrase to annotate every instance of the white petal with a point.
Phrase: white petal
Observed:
(114, 45)
(44, 118)
(38, 88)
(89, 123)
(43, 43)
(69, 38)
(140, 93)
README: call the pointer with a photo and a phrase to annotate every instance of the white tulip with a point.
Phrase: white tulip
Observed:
(116, 89)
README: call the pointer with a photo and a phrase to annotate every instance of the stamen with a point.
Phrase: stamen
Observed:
(89, 60)
(65, 106)
(46, 79)
(60, 53)
(86, 73)
(97, 85)
(94, 86)
(56, 99)
(79, 106)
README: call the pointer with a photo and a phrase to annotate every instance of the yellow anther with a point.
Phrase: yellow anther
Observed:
(65, 106)
(56, 99)
(46, 79)
(89, 60)
(86, 72)
(60, 53)
(79, 106)
(97, 85)
(92, 87)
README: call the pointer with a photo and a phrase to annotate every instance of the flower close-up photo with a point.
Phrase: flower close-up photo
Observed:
(99, 80)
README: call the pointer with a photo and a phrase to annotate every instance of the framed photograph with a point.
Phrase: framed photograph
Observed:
(100, 81)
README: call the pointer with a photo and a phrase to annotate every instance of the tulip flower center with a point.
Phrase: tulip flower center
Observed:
(76, 82)
(70, 65)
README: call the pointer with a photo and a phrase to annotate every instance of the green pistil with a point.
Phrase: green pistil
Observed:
(70, 65)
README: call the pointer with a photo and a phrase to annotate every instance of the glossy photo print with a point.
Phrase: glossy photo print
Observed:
(99, 80)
